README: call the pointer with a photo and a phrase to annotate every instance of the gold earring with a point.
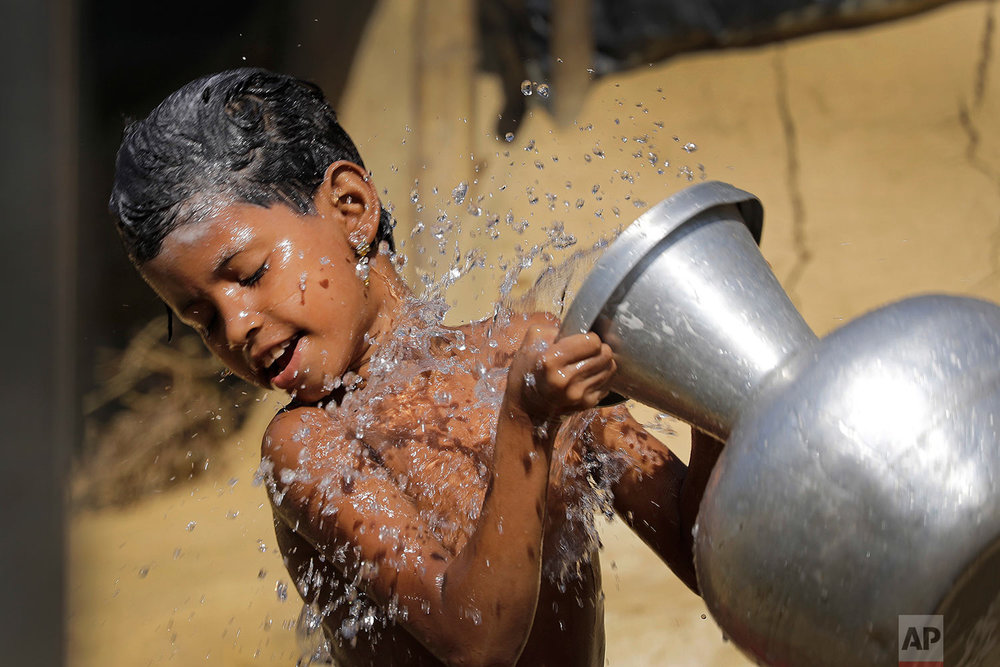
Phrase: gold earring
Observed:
(362, 268)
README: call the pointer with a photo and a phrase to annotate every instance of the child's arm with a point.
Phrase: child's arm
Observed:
(656, 494)
(476, 606)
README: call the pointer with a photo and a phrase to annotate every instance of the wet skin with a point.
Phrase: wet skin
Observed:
(445, 511)
(425, 475)
(251, 279)
(416, 504)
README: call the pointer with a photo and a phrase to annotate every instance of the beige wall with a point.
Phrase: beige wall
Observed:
(872, 151)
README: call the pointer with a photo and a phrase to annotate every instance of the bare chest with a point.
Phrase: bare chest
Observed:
(434, 436)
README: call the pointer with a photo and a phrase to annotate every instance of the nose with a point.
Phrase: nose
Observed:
(242, 321)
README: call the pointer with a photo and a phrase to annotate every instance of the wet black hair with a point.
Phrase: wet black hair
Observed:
(245, 135)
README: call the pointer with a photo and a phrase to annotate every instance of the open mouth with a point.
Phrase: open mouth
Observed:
(279, 358)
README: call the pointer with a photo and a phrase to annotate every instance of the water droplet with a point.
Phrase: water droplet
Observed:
(543, 89)
(526, 87)
(190, 526)
(509, 137)
(281, 590)
(143, 571)
(703, 617)
(458, 194)
(690, 147)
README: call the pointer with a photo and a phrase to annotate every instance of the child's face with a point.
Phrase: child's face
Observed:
(274, 294)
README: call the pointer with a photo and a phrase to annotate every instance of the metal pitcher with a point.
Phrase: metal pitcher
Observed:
(859, 482)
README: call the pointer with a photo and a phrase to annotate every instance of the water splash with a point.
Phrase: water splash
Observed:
(312, 643)
(425, 345)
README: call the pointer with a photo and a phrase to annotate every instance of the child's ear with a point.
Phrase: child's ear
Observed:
(347, 192)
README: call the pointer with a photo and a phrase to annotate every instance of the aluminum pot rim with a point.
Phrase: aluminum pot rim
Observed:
(643, 235)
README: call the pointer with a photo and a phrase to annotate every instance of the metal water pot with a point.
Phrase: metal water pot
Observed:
(859, 482)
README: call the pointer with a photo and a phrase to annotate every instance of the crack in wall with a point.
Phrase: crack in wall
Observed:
(969, 126)
(972, 157)
(792, 171)
(985, 55)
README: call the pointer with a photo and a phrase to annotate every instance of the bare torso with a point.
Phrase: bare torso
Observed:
(428, 426)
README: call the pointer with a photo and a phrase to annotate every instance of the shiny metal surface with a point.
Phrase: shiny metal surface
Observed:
(691, 309)
(859, 485)
(860, 477)
(642, 236)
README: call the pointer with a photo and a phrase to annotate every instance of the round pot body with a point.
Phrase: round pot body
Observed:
(861, 484)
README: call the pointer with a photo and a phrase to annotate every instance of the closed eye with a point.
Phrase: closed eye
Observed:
(202, 318)
(253, 279)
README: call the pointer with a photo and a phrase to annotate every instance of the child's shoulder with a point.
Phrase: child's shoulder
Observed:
(293, 429)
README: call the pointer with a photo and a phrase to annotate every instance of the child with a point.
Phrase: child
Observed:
(426, 500)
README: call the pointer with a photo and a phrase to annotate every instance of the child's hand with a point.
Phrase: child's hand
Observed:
(549, 378)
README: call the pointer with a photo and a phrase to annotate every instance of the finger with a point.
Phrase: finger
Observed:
(593, 397)
(575, 348)
(540, 333)
(560, 372)
(601, 377)
(596, 384)
(599, 386)
(598, 363)
(575, 376)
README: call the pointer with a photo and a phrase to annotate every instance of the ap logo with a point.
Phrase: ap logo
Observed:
(921, 641)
